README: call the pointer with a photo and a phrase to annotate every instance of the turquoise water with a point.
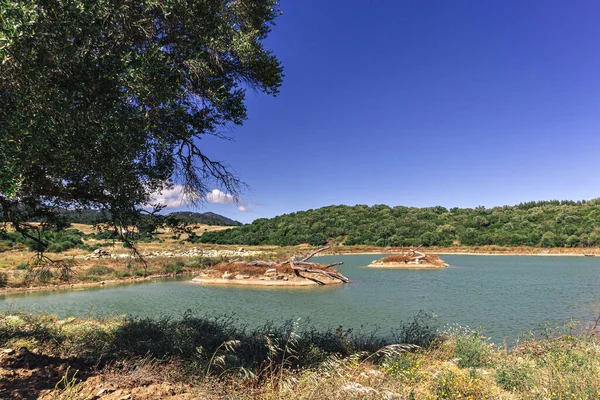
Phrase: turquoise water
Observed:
(501, 293)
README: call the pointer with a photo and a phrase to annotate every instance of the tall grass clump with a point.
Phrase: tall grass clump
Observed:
(100, 270)
(421, 330)
(174, 268)
(472, 349)
(201, 262)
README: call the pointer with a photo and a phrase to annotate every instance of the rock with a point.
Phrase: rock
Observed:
(285, 278)
(8, 351)
(271, 272)
(104, 391)
(239, 276)
(226, 275)
(100, 253)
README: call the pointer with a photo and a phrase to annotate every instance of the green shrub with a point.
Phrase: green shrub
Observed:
(472, 350)
(57, 241)
(106, 235)
(421, 330)
(45, 275)
(58, 247)
(122, 274)
(3, 279)
(514, 375)
(100, 270)
(90, 248)
(406, 366)
(174, 268)
(203, 262)
(22, 266)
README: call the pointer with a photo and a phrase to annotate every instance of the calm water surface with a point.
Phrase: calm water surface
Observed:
(501, 293)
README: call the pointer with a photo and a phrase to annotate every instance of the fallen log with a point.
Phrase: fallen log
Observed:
(320, 271)
(311, 255)
(256, 263)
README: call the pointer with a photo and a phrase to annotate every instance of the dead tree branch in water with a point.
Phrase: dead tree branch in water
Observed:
(302, 265)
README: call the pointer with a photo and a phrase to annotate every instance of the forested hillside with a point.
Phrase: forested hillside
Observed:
(94, 216)
(208, 218)
(545, 223)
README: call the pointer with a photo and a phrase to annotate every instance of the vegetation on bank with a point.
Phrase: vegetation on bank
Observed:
(70, 358)
(101, 270)
(56, 239)
(534, 224)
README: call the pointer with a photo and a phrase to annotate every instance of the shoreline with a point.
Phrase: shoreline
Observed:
(255, 282)
(474, 252)
(406, 266)
(86, 285)
(594, 252)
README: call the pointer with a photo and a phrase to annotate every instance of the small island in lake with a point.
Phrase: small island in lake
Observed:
(291, 272)
(411, 260)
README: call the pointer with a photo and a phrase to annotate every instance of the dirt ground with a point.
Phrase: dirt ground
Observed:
(31, 375)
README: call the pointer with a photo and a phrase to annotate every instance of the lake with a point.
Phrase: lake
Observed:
(504, 294)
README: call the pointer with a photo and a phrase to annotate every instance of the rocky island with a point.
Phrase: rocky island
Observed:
(411, 260)
(292, 272)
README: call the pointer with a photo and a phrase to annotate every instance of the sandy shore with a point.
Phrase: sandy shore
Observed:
(255, 282)
(197, 280)
(407, 266)
(517, 254)
(84, 285)
(482, 252)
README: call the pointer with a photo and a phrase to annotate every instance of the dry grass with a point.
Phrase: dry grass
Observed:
(459, 365)
(406, 258)
(241, 268)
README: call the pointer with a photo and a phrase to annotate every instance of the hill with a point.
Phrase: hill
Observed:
(544, 223)
(207, 218)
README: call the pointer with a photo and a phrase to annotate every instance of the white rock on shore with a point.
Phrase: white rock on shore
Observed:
(194, 252)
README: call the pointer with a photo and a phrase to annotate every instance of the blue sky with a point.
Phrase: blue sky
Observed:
(421, 103)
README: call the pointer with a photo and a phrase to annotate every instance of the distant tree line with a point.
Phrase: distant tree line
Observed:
(91, 217)
(543, 223)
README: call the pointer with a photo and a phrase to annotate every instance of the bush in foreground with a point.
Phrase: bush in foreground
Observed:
(215, 356)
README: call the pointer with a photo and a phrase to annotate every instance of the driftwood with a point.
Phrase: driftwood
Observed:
(302, 265)
(420, 255)
(311, 255)
(256, 263)
(320, 271)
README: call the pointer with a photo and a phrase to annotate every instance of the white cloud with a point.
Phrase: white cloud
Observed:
(174, 198)
(218, 197)
(171, 198)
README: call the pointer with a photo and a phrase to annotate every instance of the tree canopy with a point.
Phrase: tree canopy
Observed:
(544, 223)
(104, 103)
